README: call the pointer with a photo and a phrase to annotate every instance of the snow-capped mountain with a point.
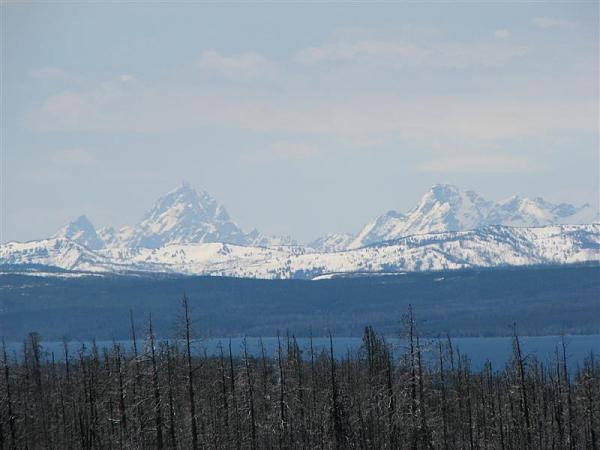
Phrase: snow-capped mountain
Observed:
(447, 208)
(115, 238)
(55, 252)
(182, 216)
(486, 247)
(523, 212)
(190, 232)
(256, 239)
(185, 216)
(333, 242)
(81, 231)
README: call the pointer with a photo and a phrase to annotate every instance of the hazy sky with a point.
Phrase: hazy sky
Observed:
(301, 119)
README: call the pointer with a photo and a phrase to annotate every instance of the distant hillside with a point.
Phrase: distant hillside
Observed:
(542, 300)
(189, 232)
(491, 246)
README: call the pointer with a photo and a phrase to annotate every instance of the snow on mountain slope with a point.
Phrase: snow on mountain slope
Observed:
(333, 242)
(486, 247)
(524, 212)
(489, 247)
(447, 208)
(56, 252)
(183, 216)
(206, 258)
(256, 239)
(115, 238)
(81, 231)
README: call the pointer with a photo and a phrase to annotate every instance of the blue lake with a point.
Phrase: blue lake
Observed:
(497, 350)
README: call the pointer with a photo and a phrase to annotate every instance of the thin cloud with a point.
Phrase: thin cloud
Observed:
(153, 108)
(294, 150)
(242, 67)
(398, 50)
(54, 74)
(73, 157)
(502, 34)
(549, 22)
(402, 53)
(478, 163)
(126, 78)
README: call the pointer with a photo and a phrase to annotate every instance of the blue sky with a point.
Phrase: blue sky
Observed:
(301, 119)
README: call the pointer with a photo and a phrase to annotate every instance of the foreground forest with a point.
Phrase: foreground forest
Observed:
(163, 396)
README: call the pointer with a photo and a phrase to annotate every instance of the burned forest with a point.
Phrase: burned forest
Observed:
(165, 395)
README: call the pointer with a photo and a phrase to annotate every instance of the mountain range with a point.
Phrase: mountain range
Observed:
(447, 208)
(190, 232)
(182, 216)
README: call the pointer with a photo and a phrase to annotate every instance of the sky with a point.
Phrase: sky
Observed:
(302, 118)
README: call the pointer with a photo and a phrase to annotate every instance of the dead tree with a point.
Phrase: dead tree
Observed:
(190, 371)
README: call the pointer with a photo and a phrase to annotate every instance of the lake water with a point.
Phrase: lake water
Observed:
(497, 350)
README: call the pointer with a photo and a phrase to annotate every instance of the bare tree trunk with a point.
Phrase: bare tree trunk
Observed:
(524, 399)
(413, 381)
(190, 373)
(589, 392)
(233, 399)
(282, 415)
(569, 399)
(425, 441)
(138, 380)
(299, 375)
(155, 385)
(443, 398)
(338, 432)
(224, 402)
(249, 381)
(122, 409)
(9, 401)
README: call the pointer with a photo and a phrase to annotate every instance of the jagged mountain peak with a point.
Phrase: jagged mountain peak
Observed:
(443, 192)
(186, 201)
(511, 201)
(82, 231)
(80, 223)
(185, 215)
(444, 199)
(486, 247)
(445, 207)
(333, 242)
(449, 193)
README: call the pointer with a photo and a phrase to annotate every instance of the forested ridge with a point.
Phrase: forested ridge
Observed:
(470, 302)
(162, 395)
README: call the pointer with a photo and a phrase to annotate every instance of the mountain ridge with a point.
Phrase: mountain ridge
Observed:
(189, 232)
(185, 215)
(447, 208)
(487, 247)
